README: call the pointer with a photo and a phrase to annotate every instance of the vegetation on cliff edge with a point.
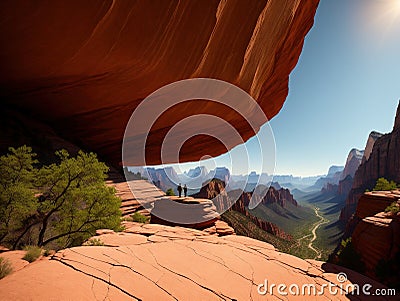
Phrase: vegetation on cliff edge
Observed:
(61, 204)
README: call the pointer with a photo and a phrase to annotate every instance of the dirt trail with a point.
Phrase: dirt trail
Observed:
(322, 221)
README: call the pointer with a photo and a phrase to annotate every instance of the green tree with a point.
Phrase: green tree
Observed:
(170, 192)
(17, 201)
(76, 200)
(382, 185)
(71, 202)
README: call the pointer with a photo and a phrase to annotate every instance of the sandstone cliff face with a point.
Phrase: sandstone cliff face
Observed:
(345, 185)
(376, 235)
(373, 136)
(83, 67)
(352, 163)
(383, 161)
(345, 181)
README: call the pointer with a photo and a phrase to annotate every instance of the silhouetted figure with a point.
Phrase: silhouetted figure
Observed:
(185, 190)
(180, 190)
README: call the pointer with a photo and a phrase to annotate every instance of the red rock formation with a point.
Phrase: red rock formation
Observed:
(371, 203)
(384, 161)
(215, 190)
(376, 235)
(373, 136)
(241, 205)
(352, 163)
(83, 67)
(281, 197)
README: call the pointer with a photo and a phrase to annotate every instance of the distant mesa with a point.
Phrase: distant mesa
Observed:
(199, 171)
(352, 163)
(334, 169)
(332, 177)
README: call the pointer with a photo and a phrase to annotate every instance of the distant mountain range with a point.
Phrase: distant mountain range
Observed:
(195, 178)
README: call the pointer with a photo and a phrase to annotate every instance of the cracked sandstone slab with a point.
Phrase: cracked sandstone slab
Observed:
(171, 263)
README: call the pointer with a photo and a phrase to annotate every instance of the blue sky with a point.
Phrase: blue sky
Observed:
(345, 85)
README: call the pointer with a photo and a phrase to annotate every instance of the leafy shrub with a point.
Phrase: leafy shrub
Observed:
(384, 185)
(139, 218)
(5, 267)
(393, 208)
(94, 242)
(71, 202)
(170, 192)
(32, 253)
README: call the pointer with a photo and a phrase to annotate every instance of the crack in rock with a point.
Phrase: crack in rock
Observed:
(221, 296)
(96, 277)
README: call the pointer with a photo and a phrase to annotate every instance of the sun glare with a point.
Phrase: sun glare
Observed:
(380, 19)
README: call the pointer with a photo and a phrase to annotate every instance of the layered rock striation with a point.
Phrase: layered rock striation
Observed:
(376, 235)
(84, 67)
(383, 161)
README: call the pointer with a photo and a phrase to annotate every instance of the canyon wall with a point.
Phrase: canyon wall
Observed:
(383, 161)
(376, 236)
(223, 200)
(83, 67)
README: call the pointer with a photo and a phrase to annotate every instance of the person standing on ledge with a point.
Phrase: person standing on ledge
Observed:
(180, 190)
(185, 190)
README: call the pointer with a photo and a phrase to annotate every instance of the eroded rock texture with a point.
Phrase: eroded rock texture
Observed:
(83, 67)
(376, 235)
(154, 262)
(382, 161)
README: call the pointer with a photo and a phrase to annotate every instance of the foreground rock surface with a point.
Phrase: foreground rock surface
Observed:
(155, 262)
